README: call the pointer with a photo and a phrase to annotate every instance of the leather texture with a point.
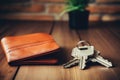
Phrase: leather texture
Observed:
(30, 49)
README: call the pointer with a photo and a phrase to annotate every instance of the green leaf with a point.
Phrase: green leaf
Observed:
(74, 5)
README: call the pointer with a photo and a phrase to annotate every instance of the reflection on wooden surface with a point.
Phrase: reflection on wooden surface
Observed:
(104, 36)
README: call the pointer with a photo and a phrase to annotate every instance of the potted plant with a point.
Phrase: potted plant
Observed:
(78, 15)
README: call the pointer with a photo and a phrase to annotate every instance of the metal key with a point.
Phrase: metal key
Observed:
(100, 59)
(82, 63)
(85, 50)
(82, 53)
(71, 63)
(77, 59)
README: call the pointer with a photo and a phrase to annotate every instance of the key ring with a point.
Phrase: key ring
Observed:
(82, 43)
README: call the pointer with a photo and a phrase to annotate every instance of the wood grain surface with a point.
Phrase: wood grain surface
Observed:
(104, 36)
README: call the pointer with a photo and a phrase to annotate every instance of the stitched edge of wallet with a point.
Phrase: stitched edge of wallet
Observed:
(28, 45)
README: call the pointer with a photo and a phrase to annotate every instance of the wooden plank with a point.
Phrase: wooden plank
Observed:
(116, 29)
(99, 35)
(3, 26)
(108, 44)
(33, 72)
(6, 72)
(67, 40)
(18, 28)
(29, 27)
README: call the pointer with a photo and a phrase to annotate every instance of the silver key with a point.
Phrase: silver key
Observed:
(82, 63)
(82, 53)
(71, 63)
(101, 60)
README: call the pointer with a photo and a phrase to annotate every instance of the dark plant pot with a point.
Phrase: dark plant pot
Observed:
(78, 19)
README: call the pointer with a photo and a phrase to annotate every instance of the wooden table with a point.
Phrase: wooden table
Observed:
(104, 36)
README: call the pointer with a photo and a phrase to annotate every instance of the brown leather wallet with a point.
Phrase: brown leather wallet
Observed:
(37, 48)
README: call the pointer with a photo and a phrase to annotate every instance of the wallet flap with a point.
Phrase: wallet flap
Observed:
(27, 46)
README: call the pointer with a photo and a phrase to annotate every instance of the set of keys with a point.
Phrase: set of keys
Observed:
(84, 53)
